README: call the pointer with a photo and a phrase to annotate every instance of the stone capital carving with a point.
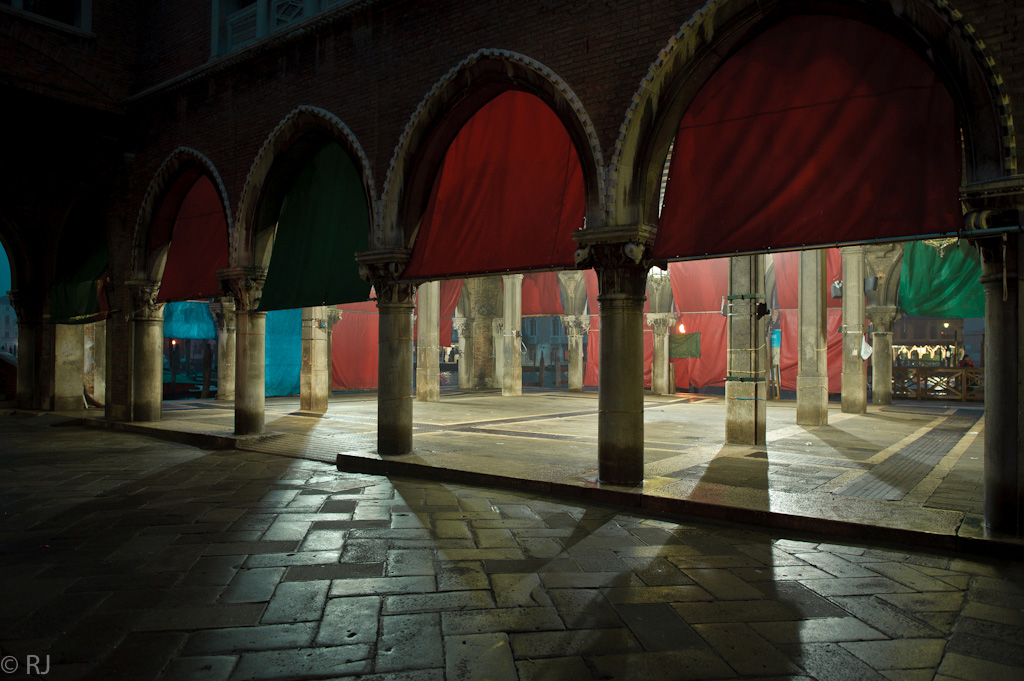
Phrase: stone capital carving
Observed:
(661, 322)
(621, 256)
(460, 325)
(333, 317)
(994, 204)
(881, 317)
(223, 312)
(382, 269)
(144, 295)
(575, 325)
(245, 284)
(573, 285)
(659, 291)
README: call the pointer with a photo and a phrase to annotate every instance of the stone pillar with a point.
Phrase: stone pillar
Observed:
(498, 350)
(576, 326)
(428, 342)
(395, 305)
(69, 367)
(484, 308)
(746, 385)
(314, 373)
(1004, 463)
(461, 326)
(812, 361)
(882, 319)
(29, 327)
(855, 387)
(147, 351)
(99, 361)
(511, 357)
(246, 284)
(619, 256)
(333, 317)
(223, 311)
(662, 323)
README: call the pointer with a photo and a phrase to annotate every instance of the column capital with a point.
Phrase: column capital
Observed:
(661, 322)
(245, 283)
(223, 311)
(882, 317)
(513, 277)
(615, 246)
(659, 291)
(334, 316)
(459, 325)
(382, 269)
(575, 324)
(993, 204)
(144, 295)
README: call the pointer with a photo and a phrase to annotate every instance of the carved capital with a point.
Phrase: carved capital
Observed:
(460, 325)
(621, 256)
(661, 322)
(333, 317)
(659, 291)
(382, 269)
(881, 317)
(223, 312)
(575, 325)
(497, 326)
(573, 284)
(144, 295)
(245, 284)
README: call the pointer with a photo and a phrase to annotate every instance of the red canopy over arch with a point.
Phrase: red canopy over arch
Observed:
(821, 130)
(199, 245)
(508, 197)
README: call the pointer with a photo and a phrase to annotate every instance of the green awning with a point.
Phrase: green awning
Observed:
(324, 221)
(934, 285)
(684, 345)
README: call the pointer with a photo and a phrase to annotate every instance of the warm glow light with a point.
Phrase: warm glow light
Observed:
(945, 325)
(174, 341)
(682, 328)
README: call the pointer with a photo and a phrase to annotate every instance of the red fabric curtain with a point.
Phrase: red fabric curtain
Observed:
(697, 289)
(451, 289)
(199, 246)
(592, 372)
(789, 352)
(508, 197)
(541, 295)
(787, 277)
(354, 347)
(821, 130)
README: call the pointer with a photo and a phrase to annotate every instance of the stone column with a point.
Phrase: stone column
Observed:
(812, 362)
(395, 305)
(483, 307)
(1004, 463)
(855, 387)
(147, 350)
(69, 367)
(461, 326)
(333, 317)
(512, 334)
(618, 255)
(882, 319)
(576, 326)
(746, 386)
(428, 337)
(314, 373)
(29, 327)
(246, 283)
(223, 311)
(498, 350)
(99, 361)
(662, 323)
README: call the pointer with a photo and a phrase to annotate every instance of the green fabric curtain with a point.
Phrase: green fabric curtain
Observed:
(74, 298)
(941, 286)
(684, 345)
(323, 222)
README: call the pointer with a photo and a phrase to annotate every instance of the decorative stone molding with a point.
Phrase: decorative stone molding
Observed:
(994, 205)
(621, 256)
(144, 295)
(573, 285)
(245, 284)
(223, 312)
(882, 317)
(659, 292)
(382, 268)
(575, 325)
(661, 322)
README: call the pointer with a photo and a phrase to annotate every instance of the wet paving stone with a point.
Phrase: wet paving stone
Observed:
(270, 567)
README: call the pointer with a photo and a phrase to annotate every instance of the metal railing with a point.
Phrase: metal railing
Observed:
(938, 383)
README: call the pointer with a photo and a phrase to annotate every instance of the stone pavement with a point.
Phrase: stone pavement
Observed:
(910, 472)
(126, 557)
